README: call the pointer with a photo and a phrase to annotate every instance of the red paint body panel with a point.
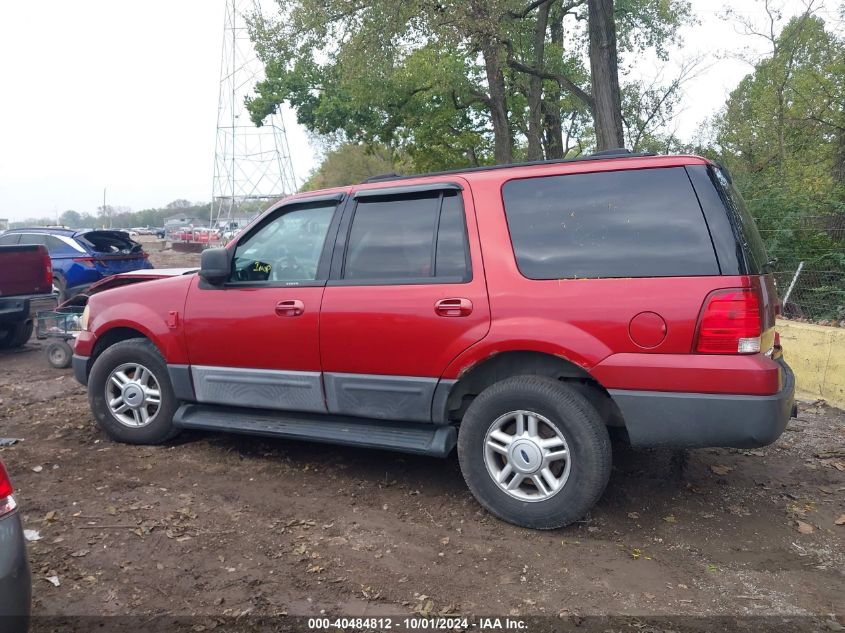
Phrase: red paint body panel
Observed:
(753, 374)
(394, 330)
(239, 327)
(144, 307)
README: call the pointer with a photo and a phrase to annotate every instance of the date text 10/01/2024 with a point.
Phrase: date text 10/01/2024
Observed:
(417, 624)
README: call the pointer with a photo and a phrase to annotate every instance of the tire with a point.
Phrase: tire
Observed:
(16, 334)
(60, 286)
(59, 354)
(130, 357)
(558, 412)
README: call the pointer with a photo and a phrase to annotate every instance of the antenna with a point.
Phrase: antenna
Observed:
(252, 165)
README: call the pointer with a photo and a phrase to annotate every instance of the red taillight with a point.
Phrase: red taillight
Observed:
(85, 261)
(5, 484)
(7, 501)
(730, 323)
(48, 270)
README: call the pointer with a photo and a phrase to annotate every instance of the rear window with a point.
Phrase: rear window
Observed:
(635, 223)
(109, 242)
(748, 236)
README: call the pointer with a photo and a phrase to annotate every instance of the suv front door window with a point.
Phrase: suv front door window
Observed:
(286, 249)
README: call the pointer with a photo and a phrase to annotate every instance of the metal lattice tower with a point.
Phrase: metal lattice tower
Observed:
(250, 163)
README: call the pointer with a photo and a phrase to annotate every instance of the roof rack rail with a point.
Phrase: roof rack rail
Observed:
(388, 176)
(614, 151)
(620, 152)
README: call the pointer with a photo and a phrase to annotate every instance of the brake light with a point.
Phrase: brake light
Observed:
(85, 261)
(7, 502)
(48, 270)
(730, 323)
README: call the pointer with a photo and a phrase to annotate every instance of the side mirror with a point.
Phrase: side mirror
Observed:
(214, 266)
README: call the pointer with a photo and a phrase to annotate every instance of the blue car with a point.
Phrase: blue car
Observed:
(81, 257)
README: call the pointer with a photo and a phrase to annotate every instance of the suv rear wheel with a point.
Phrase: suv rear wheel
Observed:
(534, 452)
(131, 395)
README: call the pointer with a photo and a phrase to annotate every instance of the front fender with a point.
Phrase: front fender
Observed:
(155, 309)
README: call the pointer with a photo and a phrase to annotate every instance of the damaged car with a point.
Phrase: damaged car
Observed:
(82, 257)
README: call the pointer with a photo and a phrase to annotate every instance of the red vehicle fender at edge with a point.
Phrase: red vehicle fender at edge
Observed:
(145, 308)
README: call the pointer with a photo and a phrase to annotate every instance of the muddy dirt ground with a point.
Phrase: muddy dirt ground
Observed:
(225, 525)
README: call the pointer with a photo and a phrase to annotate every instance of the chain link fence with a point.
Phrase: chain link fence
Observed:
(817, 296)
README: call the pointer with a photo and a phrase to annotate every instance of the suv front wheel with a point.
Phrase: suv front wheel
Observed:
(131, 395)
(534, 452)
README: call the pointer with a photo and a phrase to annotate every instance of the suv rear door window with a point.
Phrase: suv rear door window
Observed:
(393, 238)
(634, 223)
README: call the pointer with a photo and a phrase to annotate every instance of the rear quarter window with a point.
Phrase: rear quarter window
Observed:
(635, 223)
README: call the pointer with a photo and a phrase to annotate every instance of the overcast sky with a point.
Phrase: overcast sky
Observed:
(123, 95)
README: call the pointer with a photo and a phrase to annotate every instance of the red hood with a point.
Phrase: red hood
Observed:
(126, 279)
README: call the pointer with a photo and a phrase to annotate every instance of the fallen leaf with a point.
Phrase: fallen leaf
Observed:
(720, 469)
(805, 528)
(444, 540)
(836, 452)
(840, 520)
(670, 518)
(50, 516)
(633, 515)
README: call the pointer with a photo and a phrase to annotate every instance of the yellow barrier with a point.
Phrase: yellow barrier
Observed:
(816, 354)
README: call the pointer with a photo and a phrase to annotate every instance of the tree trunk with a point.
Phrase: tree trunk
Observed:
(607, 113)
(535, 85)
(497, 101)
(551, 104)
(839, 158)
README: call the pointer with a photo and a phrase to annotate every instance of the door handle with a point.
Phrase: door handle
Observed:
(453, 307)
(290, 308)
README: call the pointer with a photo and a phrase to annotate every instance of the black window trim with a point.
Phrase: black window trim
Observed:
(407, 190)
(323, 264)
(605, 171)
(338, 265)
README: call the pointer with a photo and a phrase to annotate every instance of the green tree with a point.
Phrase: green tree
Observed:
(782, 134)
(70, 218)
(353, 163)
(449, 83)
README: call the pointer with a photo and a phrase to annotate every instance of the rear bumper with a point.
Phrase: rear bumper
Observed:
(697, 420)
(24, 308)
(15, 579)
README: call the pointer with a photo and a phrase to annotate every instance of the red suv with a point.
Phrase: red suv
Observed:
(516, 312)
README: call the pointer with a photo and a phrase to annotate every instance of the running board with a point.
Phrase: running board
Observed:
(405, 437)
